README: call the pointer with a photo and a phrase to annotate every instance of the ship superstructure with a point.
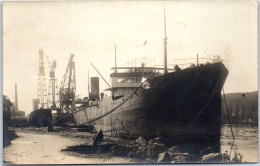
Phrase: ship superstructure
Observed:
(159, 102)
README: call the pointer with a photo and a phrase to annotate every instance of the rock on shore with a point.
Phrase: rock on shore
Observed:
(155, 151)
(212, 157)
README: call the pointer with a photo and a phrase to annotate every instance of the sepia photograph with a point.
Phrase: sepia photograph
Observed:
(130, 82)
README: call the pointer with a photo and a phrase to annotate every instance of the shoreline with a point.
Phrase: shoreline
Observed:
(38, 146)
(67, 145)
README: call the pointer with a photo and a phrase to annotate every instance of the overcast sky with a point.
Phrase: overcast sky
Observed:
(91, 29)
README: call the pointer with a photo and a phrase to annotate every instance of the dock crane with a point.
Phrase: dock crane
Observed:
(41, 81)
(68, 87)
(53, 86)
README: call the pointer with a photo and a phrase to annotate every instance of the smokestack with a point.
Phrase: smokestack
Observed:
(94, 94)
(16, 100)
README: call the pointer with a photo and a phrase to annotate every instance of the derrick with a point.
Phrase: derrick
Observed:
(68, 87)
(53, 86)
(42, 81)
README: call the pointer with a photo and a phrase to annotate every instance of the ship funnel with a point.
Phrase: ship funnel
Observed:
(94, 94)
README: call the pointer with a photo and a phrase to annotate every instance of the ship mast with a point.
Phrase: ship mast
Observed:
(115, 60)
(88, 84)
(165, 44)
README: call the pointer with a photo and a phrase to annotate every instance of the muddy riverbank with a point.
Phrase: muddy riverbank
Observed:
(38, 146)
(67, 145)
(8, 136)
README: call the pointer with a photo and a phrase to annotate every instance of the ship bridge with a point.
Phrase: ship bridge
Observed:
(125, 79)
(131, 76)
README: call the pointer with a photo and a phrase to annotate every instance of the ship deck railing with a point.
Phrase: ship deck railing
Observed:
(157, 70)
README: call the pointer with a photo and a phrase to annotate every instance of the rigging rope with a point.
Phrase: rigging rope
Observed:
(228, 114)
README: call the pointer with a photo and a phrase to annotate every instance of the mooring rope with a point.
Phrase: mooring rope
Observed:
(114, 109)
(203, 109)
(162, 110)
(228, 113)
(109, 112)
(134, 123)
(180, 130)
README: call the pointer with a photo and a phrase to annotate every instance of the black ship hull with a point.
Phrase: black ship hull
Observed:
(186, 103)
(40, 118)
(182, 104)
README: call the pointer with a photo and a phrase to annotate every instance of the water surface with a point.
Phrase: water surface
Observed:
(246, 141)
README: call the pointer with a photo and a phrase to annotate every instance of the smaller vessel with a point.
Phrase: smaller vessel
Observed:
(40, 118)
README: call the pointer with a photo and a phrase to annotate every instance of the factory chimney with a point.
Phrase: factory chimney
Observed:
(16, 102)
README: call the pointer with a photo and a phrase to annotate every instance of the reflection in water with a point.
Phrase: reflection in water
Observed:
(246, 141)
